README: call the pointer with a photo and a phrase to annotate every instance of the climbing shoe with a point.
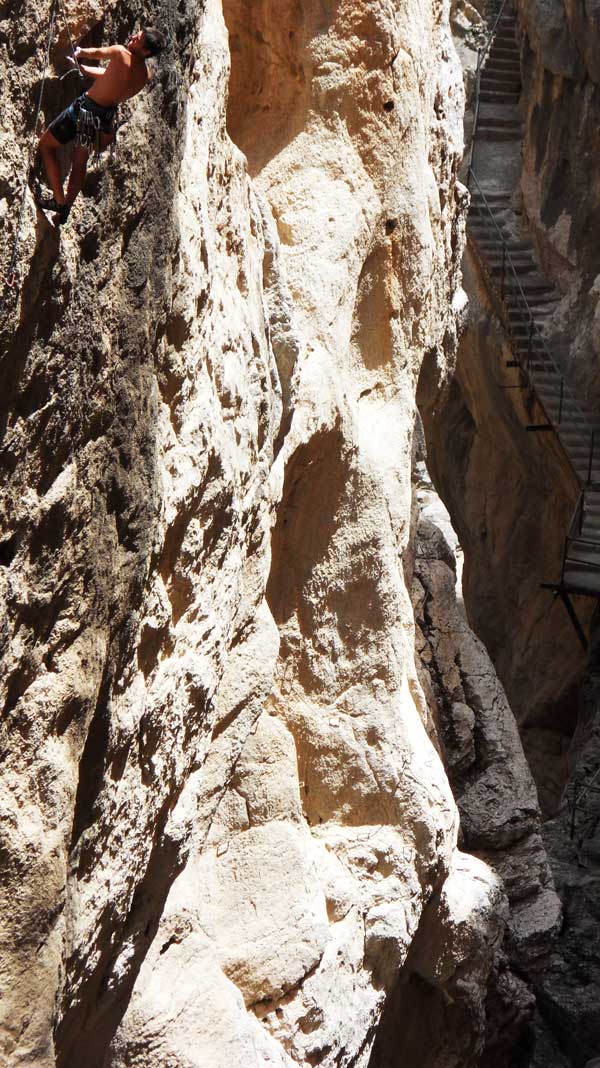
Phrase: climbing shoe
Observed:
(50, 204)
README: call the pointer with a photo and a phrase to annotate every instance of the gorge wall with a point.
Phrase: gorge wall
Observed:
(233, 665)
(511, 496)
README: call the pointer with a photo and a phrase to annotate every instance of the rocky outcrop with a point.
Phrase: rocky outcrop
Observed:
(490, 778)
(229, 837)
(214, 762)
(510, 496)
(141, 404)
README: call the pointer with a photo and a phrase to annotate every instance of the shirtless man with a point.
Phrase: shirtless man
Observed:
(92, 116)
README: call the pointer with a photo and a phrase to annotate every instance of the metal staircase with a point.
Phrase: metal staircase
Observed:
(524, 298)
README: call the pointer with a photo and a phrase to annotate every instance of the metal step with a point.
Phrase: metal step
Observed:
(580, 579)
(541, 364)
(544, 306)
(571, 435)
(504, 50)
(584, 552)
(549, 396)
(540, 287)
(494, 96)
(489, 194)
(550, 392)
(479, 206)
(581, 459)
(504, 62)
(521, 256)
(505, 41)
(519, 317)
(497, 61)
(505, 25)
(504, 37)
(494, 133)
(520, 267)
(511, 122)
(494, 242)
(501, 82)
(520, 332)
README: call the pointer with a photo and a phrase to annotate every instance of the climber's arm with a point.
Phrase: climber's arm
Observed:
(110, 52)
(92, 72)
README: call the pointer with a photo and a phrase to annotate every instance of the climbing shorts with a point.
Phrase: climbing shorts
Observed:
(82, 117)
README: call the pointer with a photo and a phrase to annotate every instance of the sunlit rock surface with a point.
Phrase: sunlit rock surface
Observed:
(228, 834)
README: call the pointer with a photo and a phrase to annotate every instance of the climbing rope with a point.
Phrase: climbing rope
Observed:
(71, 42)
(11, 277)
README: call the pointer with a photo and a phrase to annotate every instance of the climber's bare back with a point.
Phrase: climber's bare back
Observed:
(125, 76)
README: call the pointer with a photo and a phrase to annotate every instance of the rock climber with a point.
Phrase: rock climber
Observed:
(91, 120)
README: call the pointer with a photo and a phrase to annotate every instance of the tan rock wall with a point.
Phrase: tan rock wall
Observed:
(221, 778)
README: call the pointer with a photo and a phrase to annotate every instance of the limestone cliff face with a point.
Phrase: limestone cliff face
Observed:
(228, 836)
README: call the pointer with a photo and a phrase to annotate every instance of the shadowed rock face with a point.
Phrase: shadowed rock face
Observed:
(560, 197)
(510, 497)
(140, 406)
(227, 830)
(561, 202)
(465, 968)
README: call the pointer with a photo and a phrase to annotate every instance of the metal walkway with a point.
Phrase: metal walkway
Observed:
(525, 298)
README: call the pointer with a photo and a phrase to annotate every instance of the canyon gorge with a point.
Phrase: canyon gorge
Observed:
(300, 758)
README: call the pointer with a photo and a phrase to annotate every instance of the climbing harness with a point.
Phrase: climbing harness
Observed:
(90, 124)
(88, 130)
(10, 280)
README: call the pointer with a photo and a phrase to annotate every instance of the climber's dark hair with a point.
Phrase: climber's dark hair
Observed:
(154, 40)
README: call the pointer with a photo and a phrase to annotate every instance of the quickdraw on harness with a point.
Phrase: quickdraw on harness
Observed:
(91, 125)
(88, 130)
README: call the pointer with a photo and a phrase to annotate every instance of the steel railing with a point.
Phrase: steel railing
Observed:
(538, 357)
(534, 356)
(482, 55)
(575, 535)
(580, 791)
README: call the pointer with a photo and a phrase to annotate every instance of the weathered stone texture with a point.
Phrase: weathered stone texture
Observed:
(494, 790)
(561, 106)
(511, 496)
(227, 823)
